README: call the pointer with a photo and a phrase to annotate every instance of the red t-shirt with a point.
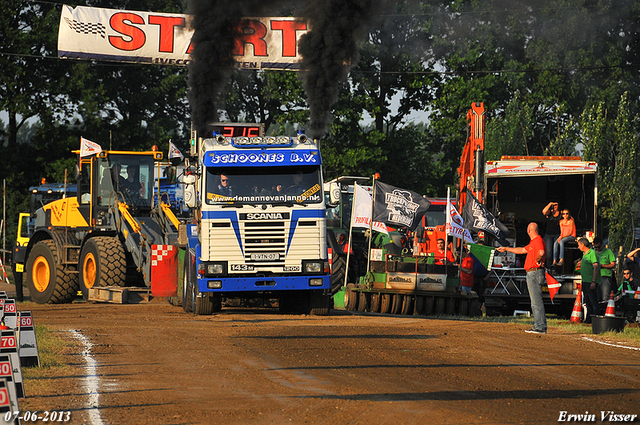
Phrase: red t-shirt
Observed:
(466, 279)
(439, 257)
(534, 246)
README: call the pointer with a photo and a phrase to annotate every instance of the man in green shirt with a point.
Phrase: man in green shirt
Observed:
(589, 269)
(607, 261)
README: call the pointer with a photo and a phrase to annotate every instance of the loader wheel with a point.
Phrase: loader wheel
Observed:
(102, 264)
(363, 301)
(46, 279)
(350, 298)
(418, 309)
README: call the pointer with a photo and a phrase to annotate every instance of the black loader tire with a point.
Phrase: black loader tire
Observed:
(47, 281)
(350, 299)
(396, 303)
(385, 305)
(102, 263)
(418, 308)
(376, 301)
(407, 304)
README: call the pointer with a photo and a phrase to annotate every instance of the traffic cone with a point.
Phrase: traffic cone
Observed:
(611, 307)
(576, 314)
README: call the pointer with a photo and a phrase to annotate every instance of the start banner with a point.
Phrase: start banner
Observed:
(165, 38)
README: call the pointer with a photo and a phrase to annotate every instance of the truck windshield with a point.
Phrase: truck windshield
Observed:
(264, 185)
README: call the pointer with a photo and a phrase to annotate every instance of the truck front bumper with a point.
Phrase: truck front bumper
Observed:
(258, 284)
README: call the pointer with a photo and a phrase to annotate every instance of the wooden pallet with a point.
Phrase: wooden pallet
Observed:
(120, 295)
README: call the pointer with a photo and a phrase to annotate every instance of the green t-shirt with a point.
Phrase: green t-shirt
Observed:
(589, 258)
(606, 257)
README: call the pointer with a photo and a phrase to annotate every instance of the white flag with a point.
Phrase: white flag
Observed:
(88, 148)
(454, 226)
(362, 211)
(174, 152)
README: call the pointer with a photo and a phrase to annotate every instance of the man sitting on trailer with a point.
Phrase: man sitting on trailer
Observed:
(439, 254)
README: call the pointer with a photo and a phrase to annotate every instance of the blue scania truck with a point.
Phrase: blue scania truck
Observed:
(258, 222)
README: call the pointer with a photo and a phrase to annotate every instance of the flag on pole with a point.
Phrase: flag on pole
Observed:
(477, 217)
(398, 207)
(361, 216)
(552, 284)
(174, 152)
(88, 148)
(454, 225)
(484, 254)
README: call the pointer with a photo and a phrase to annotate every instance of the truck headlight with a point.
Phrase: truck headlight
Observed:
(214, 284)
(316, 281)
(216, 269)
(313, 266)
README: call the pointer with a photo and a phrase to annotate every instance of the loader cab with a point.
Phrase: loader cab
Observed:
(109, 177)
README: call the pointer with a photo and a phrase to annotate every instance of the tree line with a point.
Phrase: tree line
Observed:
(557, 77)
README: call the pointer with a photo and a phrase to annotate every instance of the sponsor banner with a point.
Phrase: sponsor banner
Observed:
(165, 38)
(431, 282)
(377, 255)
(454, 225)
(362, 211)
(174, 152)
(397, 280)
(478, 218)
(277, 157)
(398, 207)
(88, 148)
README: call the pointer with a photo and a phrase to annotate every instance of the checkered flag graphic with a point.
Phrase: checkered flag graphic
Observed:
(86, 28)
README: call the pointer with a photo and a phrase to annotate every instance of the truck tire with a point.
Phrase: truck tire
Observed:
(320, 304)
(350, 299)
(407, 303)
(102, 264)
(385, 306)
(396, 303)
(206, 304)
(376, 300)
(47, 281)
(187, 303)
(338, 269)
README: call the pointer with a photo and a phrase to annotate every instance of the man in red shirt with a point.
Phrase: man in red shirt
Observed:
(534, 266)
(466, 273)
(439, 254)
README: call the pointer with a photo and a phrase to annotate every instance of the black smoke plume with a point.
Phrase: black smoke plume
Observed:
(328, 51)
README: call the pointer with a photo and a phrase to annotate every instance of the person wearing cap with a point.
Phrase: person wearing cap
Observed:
(534, 266)
(590, 272)
(607, 261)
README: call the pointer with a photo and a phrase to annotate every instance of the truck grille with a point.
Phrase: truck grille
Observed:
(265, 242)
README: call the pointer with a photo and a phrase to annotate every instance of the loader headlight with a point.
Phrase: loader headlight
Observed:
(313, 266)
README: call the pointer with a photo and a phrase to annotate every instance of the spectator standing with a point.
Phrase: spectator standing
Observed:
(534, 266)
(607, 261)
(466, 273)
(589, 270)
(552, 214)
(567, 233)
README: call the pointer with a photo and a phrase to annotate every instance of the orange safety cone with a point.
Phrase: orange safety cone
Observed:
(576, 314)
(611, 307)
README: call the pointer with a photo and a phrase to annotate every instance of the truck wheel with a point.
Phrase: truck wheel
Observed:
(385, 306)
(206, 304)
(396, 303)
(363, 301)
(338, 269)
(350, 299)
(418, 308)
(376, 299)
(406, 305)
(46, 279)
(102, 264)
(320, 304)
(186, 285)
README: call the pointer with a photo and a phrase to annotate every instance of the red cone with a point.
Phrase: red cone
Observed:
(611, 307)
(576, 314)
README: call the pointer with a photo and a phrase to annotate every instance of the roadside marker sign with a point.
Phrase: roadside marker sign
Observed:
(27, 342)
(5, 404)
(9, 310)
(6, 373)
(9, 345)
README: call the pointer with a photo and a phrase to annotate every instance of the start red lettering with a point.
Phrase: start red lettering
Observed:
(134, 36)
(167, 26)
(250, 32)
(289, 40)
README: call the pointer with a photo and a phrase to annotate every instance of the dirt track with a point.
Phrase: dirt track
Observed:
(158, 365)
